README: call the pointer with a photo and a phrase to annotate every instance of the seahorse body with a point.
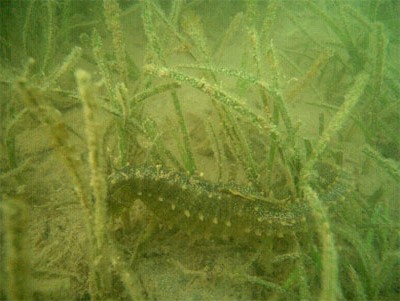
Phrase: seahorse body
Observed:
(198, 206)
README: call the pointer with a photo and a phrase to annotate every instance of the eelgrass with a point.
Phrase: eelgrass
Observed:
(264, 142)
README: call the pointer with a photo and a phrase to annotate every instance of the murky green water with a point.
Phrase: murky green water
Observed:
(199, 150)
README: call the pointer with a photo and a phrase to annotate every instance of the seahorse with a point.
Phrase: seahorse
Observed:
(200, 206)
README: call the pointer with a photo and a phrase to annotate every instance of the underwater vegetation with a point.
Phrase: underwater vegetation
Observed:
(199, 150)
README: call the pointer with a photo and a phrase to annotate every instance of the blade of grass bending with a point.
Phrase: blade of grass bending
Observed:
(215, 92)
(188, 156)
(330, 289)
